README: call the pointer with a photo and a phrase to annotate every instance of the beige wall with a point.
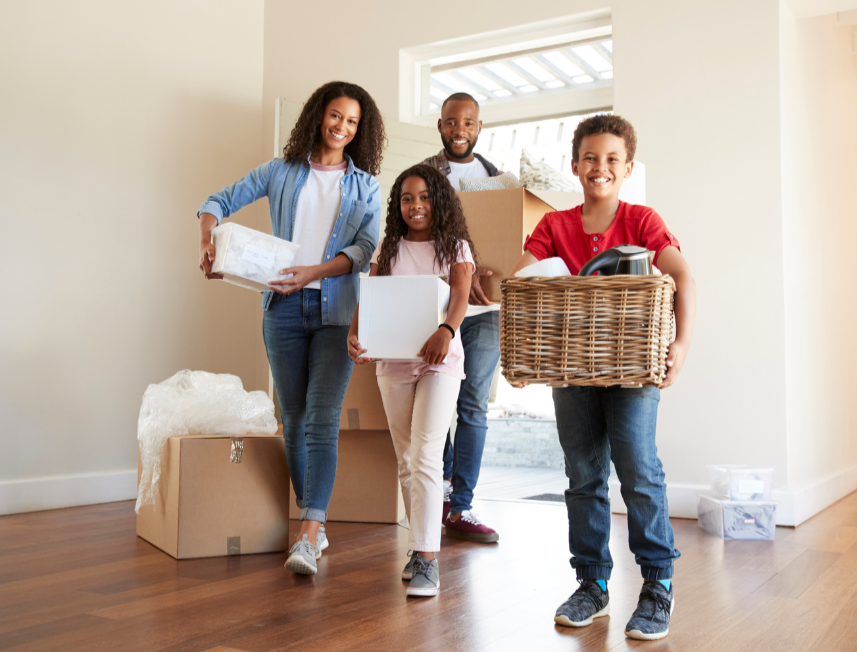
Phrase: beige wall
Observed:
(699, 80)
(117, 120)
(819, 73)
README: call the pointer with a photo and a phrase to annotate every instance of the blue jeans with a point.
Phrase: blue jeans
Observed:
(480, 336)
(311, 370)
(597, 424)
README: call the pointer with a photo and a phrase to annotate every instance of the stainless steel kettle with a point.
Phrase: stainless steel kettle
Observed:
(624, 259)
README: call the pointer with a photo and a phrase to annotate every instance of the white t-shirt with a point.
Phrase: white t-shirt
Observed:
(316, 213)
(472, 170)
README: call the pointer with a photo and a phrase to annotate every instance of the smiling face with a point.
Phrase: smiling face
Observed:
(415, 205)
(339, 123)
(459, 128)
(602, 166)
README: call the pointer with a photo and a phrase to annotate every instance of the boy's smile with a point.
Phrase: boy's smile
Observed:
(603, 165)
(415, 206)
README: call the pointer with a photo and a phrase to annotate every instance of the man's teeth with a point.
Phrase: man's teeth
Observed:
(459, 142)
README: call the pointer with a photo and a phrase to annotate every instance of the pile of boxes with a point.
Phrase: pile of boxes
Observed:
(739, 505)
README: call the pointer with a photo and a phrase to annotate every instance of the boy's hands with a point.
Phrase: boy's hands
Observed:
(355, 350)
(436, 347)
(675, 360)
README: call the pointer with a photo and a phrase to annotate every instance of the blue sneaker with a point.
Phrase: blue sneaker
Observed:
(588, 602)
(651, 619)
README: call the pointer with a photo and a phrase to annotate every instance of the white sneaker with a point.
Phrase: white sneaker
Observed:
(302, 558)
(321, 542)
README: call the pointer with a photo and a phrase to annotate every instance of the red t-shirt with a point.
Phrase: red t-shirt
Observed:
(561, 234)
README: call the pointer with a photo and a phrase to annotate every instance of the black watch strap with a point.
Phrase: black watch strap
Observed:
(449, 328)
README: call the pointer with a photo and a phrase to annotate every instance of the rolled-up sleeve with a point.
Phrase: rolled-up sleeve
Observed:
(234, 197)
(366, 239)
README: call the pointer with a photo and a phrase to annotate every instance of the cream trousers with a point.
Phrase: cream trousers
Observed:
(419, 410)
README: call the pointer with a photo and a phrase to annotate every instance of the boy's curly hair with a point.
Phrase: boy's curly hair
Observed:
(604, 124)
(368, 145)
(448, 226)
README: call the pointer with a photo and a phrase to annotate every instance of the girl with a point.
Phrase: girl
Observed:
(426, 234)
(322, 196)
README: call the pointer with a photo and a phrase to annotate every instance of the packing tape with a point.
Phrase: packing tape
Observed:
(237, 450)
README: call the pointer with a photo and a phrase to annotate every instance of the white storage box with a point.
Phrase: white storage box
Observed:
(399, 313)
(734, 519)
(250, 258)
(740, 482)
(546, 267)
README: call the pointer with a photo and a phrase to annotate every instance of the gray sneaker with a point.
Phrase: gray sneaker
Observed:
(321, 541)
(651, 619)
(588, 602)
(302, 557)
(408, 572)
(425, 581)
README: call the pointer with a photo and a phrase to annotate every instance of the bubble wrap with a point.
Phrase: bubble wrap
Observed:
(193, 402)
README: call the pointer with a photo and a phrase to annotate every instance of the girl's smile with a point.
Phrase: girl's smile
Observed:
(415, 206)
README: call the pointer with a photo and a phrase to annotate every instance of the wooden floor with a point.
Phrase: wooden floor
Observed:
(78, 579)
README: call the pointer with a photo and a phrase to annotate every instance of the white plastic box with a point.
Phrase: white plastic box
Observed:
(740, 482)
(250, 258)
(399, 313)
(733, 519)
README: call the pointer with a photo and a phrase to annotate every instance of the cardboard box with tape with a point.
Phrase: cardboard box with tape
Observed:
(219, 496)
(363, 408)
(499, 222)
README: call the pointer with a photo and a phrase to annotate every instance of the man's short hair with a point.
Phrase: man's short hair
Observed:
(604, 124)
(459, 97)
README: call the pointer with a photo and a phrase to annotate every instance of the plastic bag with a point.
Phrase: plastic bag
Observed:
(195, 402)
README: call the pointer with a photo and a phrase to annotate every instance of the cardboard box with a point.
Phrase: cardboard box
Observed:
(367, 480)
(363, 408)
(399, 313)
(248, 258)
(499, 222)
(219, 496)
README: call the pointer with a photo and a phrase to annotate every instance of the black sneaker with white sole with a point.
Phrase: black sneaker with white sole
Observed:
(651, 619)
(588, 602)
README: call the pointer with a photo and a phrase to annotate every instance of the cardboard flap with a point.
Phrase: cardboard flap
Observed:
(559, 200)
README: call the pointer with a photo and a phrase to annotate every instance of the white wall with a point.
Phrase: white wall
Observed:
(700, 81)
(819, 114)
(116, 121)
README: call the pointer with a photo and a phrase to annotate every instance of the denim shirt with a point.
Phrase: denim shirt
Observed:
(355, 232)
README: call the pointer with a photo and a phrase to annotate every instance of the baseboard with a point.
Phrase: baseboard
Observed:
(38, 494)
(794, 507)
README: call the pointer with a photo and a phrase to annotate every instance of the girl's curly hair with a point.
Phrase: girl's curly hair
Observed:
(448, 226)
(368, 145)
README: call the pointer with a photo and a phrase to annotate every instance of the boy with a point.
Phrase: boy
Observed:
(599, 424)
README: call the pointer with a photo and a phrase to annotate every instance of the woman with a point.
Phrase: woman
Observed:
(322, 196)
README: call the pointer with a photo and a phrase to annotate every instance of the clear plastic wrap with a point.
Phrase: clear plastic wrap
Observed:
(193, 402)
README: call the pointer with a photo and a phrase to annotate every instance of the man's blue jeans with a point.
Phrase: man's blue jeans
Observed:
(597, 424)
(311, 369)
(480, 336)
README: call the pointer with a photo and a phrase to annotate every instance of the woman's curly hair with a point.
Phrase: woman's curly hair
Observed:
(448, 227)
(368, 145)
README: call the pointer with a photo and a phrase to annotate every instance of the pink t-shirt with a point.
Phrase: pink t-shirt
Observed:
(418, 258)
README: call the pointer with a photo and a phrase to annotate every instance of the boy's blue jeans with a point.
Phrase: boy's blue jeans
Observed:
(480, 336)
(311, 370)
(597, 424)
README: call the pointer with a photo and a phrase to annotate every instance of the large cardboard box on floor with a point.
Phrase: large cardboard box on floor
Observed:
(499, 222)
(363, 408)
(367, 488)
(220, 496)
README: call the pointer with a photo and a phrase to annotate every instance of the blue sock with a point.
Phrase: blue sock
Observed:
(666, 583)
(602, 584)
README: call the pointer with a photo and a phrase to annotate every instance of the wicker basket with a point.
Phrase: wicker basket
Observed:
(595, 330)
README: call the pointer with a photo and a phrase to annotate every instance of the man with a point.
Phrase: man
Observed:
(459, 128)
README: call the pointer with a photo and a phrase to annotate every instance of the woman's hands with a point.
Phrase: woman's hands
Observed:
(355, 350)
(436, 347)
(206, 249)
(300, 278)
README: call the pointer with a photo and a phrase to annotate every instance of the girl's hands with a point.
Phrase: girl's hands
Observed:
(355, 350)
(436, 347)
(301, 276)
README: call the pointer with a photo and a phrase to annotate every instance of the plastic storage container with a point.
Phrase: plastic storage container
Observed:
(733, 519)
(740, 482)
(250, 258)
